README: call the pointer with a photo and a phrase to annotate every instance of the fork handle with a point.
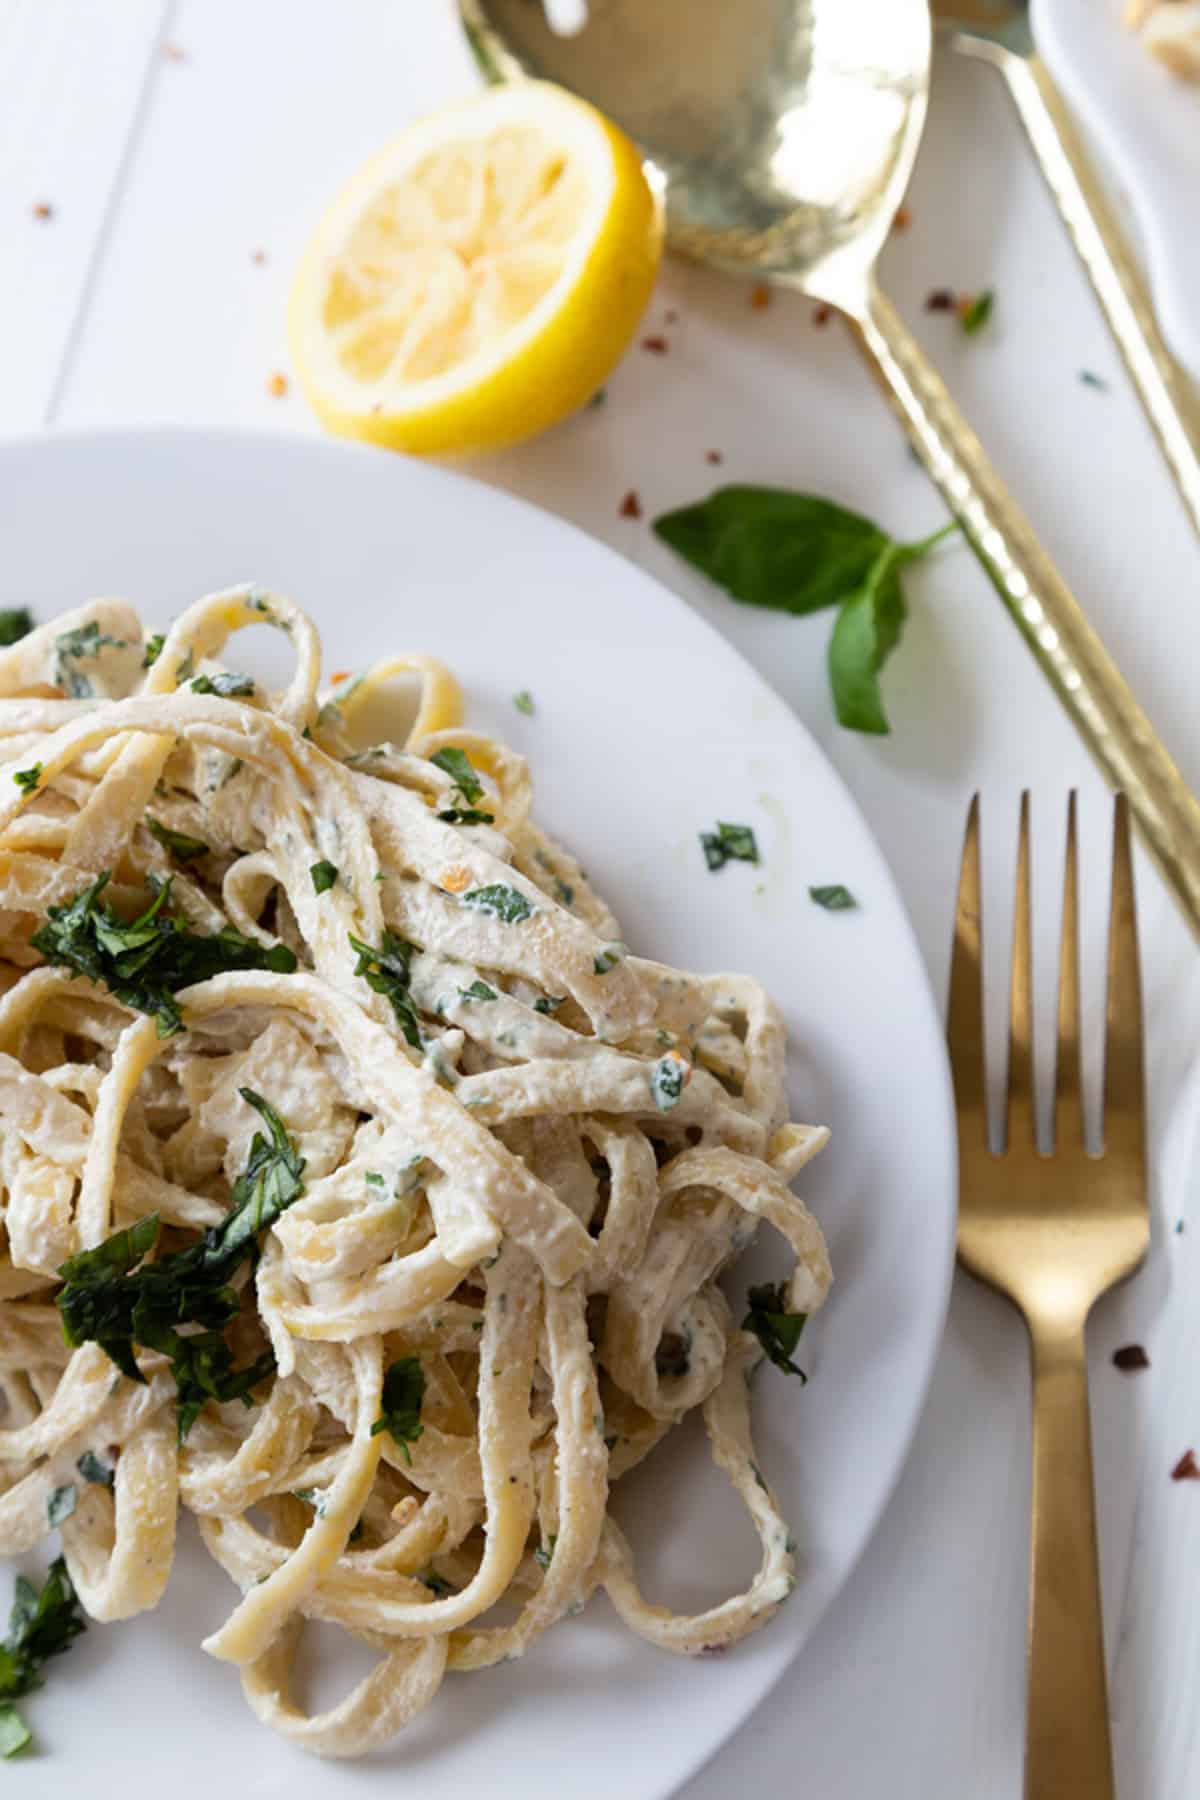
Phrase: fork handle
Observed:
(1054, 625)
(1105, 253)
(1067, 1751)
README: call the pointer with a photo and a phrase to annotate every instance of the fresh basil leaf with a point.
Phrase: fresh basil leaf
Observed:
(503, 902)
(770, 547)
(865, 633)
(524, 702)
(61, 1504)
(144, 961)
(403, 1392)
(153, 651)
(187, 849)
(834, 898)
(95, 1471)
(374, 1179)
(227, 685)
(478, 990)
(457, 764)
(466, 815)
(27, 779)
(777, 1329)
(386, 971)
(543, 1556)
(324, 874)
(16, 622)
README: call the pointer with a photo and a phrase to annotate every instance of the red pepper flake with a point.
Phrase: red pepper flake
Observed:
(713, 456)
(902, 219)
(1187, 1468)
(277, 386)
(941, 300)
(822, 315)
(43, 210)
(658, 346)
(760, 296)
(1130, 1357)
(175, 53)
(631, 506)
(258, 256)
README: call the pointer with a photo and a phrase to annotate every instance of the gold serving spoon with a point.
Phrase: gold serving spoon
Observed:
(997, 32)
(784, 133)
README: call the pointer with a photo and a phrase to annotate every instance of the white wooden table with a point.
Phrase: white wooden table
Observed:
(183, 148)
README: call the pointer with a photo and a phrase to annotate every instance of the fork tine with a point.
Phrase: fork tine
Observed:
(964, 1014)
(1124, 1072)
(1068, 1073)
(1022, 1119)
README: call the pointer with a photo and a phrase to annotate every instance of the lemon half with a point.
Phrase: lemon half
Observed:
(477, 280)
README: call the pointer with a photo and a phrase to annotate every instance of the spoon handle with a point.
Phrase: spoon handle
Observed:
(1084, 676)
(1106, 255)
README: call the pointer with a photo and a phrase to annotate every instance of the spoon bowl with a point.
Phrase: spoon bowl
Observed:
(783, 134)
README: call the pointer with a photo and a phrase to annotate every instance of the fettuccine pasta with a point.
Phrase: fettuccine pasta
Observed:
(361, 1193)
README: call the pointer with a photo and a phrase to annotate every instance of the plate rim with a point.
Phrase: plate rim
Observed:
(136, 437)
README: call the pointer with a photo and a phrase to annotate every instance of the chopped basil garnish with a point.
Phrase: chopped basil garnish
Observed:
(154, 644)
(835, 898)
(466, 815)
(457, 764)
(524, 702)
(324, 874)
(95, 1471)
(187, 849)
(43, 1623)
(386, 971)
(543, 1556)
(374, 1179)
(226, 685)
(107, 1299)
(777, 1329)
(478, 990)
(608, 958)
(666, 1081)
(84, 642)
(61, 1504)
(16, 622)
(144, 961)
(548, 1003)
(504, 902)
(976, 314)
(403, 1392)
(27, 779)
(728, 843)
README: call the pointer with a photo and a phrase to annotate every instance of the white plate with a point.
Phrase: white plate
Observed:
(1147, 123)
(648, 728)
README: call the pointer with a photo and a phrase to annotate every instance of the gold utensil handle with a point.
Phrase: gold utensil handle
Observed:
(1067, 1751)
(1170, 403)
(1084, 676)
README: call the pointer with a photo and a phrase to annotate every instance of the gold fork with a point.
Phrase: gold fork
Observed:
(1053, 1232)
(997, 32)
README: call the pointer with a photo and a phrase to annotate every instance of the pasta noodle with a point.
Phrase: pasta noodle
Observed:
(465, 1276)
